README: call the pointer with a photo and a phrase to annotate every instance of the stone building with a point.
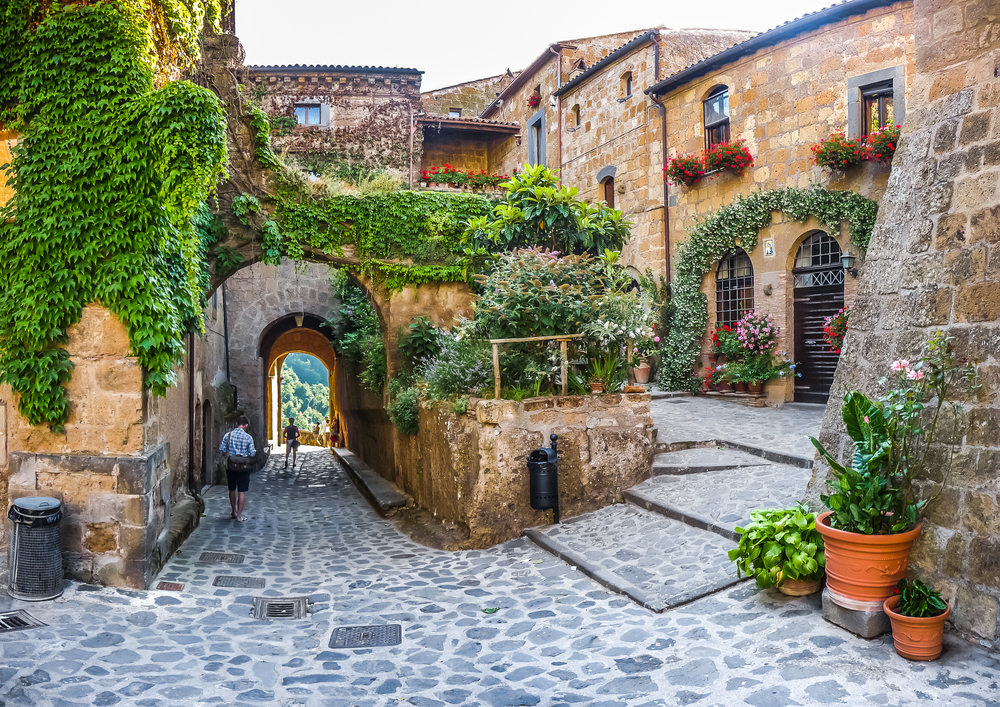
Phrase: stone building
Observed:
(932, 266)
(782, 92)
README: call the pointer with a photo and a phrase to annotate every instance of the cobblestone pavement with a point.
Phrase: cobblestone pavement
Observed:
(778, 429)
(511, 625)
(726, 497)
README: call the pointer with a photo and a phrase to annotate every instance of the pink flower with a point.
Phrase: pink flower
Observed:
(915, 375)
(866, 419)
(656, 339)
(900, 365)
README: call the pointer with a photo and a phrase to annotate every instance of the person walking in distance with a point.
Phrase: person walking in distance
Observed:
(291, 441)
(335, 432)
(324, 431)
(238, 442)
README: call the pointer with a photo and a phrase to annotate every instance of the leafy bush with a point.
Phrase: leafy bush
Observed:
(463, 366)
(421, 341)
(404, 411)
(779, 544)
(357, 333)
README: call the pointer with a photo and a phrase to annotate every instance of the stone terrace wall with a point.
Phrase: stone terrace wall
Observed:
(470, 468)
(934, 264)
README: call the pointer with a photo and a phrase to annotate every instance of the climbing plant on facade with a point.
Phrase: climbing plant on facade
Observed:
(108, 176)
(738, 225)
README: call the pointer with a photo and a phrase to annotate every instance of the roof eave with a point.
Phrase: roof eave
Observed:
(522, 78)
(614, 56)
(765, 39)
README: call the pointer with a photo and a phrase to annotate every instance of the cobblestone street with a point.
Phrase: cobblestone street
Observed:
(511, 625)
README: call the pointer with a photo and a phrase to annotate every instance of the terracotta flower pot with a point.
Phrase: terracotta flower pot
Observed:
(755, 388)
(641, 373)
(724, 387)
(596, 387)
(916, 637)
(863, 569)
(740, 387)
(800, 587)
(634, 389)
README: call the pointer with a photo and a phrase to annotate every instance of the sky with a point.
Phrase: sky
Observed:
(456, 41)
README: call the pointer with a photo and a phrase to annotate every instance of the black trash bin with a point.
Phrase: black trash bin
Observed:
(35, 559)
(543, 479)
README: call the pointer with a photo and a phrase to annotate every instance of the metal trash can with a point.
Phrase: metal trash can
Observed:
(35, 559)
(543, 479)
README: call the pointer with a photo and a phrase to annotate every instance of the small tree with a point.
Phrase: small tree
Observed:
(539, 212)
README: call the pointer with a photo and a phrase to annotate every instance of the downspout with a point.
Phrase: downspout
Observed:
(663, 151)
(558, 55)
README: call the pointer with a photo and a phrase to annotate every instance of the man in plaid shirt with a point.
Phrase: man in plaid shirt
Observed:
(238, 442)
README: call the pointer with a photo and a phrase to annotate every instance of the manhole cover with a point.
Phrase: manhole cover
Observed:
(232, 558)
(170, 586)
(280, 608)
(248, 582)
(366, 636)
(18, 621)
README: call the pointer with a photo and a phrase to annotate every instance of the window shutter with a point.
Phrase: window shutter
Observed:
(324, 114)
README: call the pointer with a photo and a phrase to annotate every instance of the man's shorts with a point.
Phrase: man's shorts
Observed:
(238, 480)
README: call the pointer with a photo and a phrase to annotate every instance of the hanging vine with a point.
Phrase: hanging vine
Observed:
(108, 176)
(738, 225)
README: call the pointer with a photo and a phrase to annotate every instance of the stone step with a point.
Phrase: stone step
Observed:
(700, 459)
(658, 562)
(384, 495)
(719, 501)
(770, 455)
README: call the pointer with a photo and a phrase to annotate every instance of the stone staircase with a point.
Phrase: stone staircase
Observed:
(667, 544)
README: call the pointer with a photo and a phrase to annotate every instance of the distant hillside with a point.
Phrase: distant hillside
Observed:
(305, 394)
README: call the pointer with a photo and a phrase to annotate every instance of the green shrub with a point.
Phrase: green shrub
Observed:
(420, 342)
(404, 411)
(463, 366)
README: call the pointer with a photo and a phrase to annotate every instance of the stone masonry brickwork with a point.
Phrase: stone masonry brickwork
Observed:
(470, 97)
(366, 114)
(934, 264)
(470, 469)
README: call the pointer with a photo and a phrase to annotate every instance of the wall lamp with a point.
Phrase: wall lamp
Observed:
(848, 260)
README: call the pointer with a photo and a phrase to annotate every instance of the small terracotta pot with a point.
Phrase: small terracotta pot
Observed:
(755, 388)
(634, 389)
(916, 637)
(740, 387)
(641, 373)
(596, 387)
(800, 587)
(864, 568)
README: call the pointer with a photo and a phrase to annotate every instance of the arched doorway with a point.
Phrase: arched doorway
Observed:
(819, 292)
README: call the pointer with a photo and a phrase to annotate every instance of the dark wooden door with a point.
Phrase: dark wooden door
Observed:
(816, 361)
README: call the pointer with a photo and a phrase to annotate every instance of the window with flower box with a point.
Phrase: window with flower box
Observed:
(875, 100)
(717, 116)
(733, 287)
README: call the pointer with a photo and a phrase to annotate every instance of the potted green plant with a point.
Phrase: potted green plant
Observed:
(607, 373)
(874, 515)
(781, 548)
(917, 614)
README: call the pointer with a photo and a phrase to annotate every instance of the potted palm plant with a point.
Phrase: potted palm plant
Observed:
(874, 515)
(917, 614)
(781, 548)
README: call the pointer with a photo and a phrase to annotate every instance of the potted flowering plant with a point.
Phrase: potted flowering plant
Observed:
(733, 156)
(685, 170)
(882, 143)
(917, 614)
(874, 515)
(781, 548)
(838, 152)
(835, 329)
(533, 100)
(642, 349)
(726, 342)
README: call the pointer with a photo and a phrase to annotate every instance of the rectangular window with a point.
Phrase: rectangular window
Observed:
(536, 139)
(717, 117)
(307, 114)
(877, 107)
(874, 100)
(454, 112)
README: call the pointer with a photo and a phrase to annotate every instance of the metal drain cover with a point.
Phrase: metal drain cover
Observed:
(280, 608)
(232, 558)
(18, 621)
(225, 580)
(367, 636)
(170, 586)
(678, 402)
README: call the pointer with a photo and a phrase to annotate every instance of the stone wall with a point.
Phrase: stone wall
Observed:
(933, 265)
(470, 468)
(462, 150)
(471, 97)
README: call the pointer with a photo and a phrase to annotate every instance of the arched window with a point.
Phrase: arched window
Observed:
(717, 116)
(733, 287)
(817, 263)
(609, 191)
(626, 84)
(575, 118)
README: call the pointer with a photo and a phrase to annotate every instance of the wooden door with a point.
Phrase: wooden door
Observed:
(819, 292)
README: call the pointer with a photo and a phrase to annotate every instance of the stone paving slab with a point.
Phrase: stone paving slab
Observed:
(782, 430)
(701, 459)
(511, 625)
(722, 500)
(659, 562)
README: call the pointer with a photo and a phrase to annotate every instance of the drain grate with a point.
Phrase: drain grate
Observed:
(18, 621)
(225, 580)
(280, 608)
(232, 558)
(170, 586)
(367, 636)
(678, 402)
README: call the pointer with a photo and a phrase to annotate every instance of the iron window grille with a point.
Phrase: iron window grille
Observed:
(733, 287)
(817, 262)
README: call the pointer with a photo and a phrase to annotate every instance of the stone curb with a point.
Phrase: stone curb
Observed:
(692, 519)
(381, 493)
(771, 456)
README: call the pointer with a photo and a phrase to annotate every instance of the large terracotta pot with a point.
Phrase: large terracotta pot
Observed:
(800, 587)
(756, 388)
(740, 387)
(863, 569)
(724, 387)
(916, 637)
(641, 372)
